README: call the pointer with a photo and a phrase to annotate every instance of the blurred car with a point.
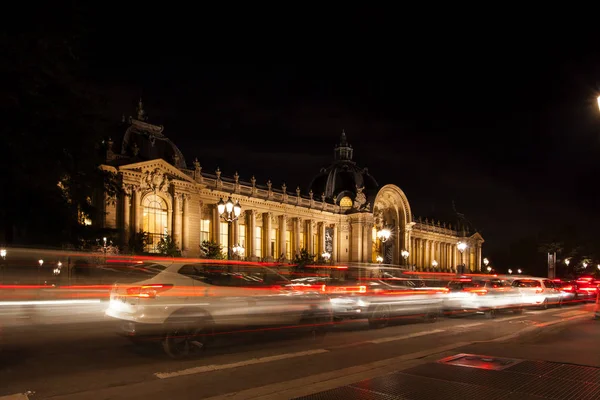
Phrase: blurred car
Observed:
(482, 295)
(183, 304)
(587, 288)
(541, 292)
(379, 301)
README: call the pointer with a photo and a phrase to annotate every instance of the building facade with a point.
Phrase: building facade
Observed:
(341, 216)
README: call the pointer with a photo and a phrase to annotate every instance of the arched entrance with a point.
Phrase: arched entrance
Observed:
(391, 211)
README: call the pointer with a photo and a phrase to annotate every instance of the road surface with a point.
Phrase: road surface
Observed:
(86, 360)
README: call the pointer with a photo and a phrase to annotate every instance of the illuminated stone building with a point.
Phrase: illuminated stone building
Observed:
(339, 214)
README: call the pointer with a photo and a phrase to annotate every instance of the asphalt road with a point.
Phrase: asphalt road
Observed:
(86, 360)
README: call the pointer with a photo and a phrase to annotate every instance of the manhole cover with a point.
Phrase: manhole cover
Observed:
(479, 361)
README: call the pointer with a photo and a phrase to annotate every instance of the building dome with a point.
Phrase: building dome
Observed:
(343, 182)
(146, 141)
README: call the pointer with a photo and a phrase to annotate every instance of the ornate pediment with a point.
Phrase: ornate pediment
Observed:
(151, 166)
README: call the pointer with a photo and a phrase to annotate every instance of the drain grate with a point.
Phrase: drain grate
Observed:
(349, 393)
(536, 368)
(478, 361)
(504, 379)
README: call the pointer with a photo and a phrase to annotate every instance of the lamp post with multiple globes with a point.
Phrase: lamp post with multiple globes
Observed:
(461, 246)
(229, 212)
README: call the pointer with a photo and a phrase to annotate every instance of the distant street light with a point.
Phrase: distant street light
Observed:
(434, 264)
(585, 264)
(3, 253)
(486, 262)
(229, 212)
(489, 270)
(510, 271)
(567, 261)
(379, 259)
(519, 270)
(326, 256)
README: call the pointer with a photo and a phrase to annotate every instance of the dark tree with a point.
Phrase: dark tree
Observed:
(52, 140)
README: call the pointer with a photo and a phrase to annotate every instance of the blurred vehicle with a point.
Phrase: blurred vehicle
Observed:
(380, 300)
(482, 295)
(541, 292)
(587, 288)
(183, 304)
(568, 290)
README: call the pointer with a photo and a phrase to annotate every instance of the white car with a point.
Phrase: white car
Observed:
(185, 303)
(541, 292)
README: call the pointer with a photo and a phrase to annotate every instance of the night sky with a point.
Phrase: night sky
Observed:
(510, 134)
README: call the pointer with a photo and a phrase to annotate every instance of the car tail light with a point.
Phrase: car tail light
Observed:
(148, 291)
(567, 288)
(478, 292)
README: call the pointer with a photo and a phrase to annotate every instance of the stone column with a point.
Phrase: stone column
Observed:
(216, 221)
(335, 256)
(176, 233)
(250, 224)
(321, 238)
(478, 257)
(185, 221)
(283, 220)
(137, 210)
(267, 232)
(296, 248)
(126, 215)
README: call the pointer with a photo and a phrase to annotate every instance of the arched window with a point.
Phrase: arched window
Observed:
(154, 221)
(346, 202)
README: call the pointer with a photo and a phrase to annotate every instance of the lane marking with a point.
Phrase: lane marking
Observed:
(510, 318)
(544, 324)
(333, 379)
(464, 326)
(47, 302)
(572, 313)
(252, 361)
(402, 337)
(16, 396)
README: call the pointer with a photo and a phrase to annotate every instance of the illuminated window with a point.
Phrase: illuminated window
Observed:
(224, 236)
(288, 245)
(275, 243)
(346, 202)
(154, 220)
(242, 235)
(204, 230)
(258, 241)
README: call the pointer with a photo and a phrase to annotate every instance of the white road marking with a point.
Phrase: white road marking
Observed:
(410, 335)
(572, 313)
(47, 302)
(16, 396)
(464, 326)
(544, 324)
(510, 318)
(253, 361)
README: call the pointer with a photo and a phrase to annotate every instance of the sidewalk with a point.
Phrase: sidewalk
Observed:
(557, 362)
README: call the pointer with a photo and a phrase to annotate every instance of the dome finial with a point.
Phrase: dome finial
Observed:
(343, 151)
(141, 114)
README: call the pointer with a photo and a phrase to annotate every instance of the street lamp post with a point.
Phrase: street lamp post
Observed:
(405, 255)
(383, 235)
(40, 263)
(229, 212)
(461, 246)
(3, 257)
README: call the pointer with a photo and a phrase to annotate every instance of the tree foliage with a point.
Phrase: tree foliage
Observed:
(53, 133)
(168, 247)
(211, 250)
